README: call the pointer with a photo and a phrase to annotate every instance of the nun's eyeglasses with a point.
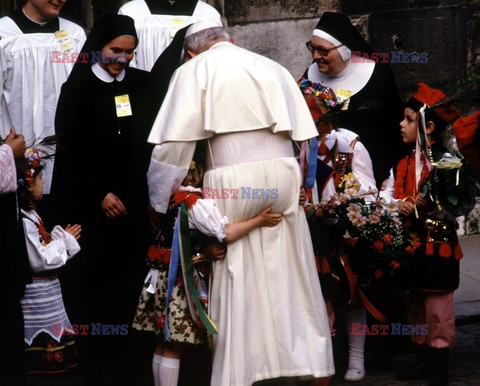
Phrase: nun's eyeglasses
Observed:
(321, 50)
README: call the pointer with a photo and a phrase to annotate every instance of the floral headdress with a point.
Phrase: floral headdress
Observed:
(32, 157)
(318, 90)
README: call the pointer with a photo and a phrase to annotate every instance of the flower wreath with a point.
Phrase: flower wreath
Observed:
(33, 159)
(318, 90)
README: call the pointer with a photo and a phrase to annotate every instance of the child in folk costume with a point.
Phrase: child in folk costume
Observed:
(173, 302)
(436, 269)
(48, 332)
(334, 154)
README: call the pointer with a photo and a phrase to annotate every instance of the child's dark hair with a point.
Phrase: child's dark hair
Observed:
(28, 168)
(440, 123)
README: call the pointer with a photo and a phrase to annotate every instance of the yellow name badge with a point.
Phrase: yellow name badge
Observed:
(63, 40)
(175, 25)
(122, 103)
(343, 96)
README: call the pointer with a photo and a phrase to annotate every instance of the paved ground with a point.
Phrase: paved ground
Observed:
(465, 358)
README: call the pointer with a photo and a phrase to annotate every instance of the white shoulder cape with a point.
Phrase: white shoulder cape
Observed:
(229, 89)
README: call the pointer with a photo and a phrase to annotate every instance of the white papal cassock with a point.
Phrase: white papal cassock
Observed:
(156, 32)
(265, 296)
(30, 82)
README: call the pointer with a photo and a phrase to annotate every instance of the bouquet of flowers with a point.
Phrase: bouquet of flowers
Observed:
(378, 246)
(452, 184)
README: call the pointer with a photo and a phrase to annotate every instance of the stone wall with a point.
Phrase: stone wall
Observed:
(447, 31)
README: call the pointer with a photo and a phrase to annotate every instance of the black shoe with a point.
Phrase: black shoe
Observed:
(419, 370)
(439, 366)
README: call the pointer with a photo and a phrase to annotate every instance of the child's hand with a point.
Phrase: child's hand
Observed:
(421, 201)
(303, 196)
(406, 208)
(319, 212)
(113, 206)
(268, 218)
(74, 230)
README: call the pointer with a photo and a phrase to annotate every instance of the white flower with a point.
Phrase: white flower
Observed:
(373, 219)
(354, 208)
(356, 218)
(392, 207)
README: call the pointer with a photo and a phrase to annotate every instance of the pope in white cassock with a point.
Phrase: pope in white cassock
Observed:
(265, 296)
(30, 76)
(157, 21)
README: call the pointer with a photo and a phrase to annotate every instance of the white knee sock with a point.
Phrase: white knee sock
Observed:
(356, 343)
(156, 369)
(168, 370)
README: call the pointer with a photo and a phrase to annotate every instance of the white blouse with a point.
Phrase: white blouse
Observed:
(205, 217)
(53, 255)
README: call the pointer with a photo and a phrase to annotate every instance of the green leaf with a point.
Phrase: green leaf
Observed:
(453, 199)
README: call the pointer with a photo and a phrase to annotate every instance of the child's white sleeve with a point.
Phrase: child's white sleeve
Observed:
(362, 168)
(205, 217)
(387, 190)
(53, 255)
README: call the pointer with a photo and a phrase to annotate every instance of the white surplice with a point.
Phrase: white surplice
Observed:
(30, 81)
(265, 296)
(156, 32)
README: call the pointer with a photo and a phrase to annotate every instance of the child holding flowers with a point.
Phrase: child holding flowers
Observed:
(339, 167)
(435, 273)
(48, 332)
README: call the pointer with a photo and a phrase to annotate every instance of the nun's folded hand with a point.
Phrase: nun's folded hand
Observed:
(113, 206)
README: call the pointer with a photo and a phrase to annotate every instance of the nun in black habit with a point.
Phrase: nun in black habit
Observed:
(373, 105)
(104, 116)
(373, 110)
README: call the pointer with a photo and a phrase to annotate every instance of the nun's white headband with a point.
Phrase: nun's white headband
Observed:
(344, 52)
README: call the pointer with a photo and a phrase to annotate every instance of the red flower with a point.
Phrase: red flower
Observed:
(59, 357)
(378, 273)
(394, 264)
(181, 328)
(161, 321)
(388, 239)
(378, 246)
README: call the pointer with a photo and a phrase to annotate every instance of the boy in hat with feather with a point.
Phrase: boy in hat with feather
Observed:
(435, 273)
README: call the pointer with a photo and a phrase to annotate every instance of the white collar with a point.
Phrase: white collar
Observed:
(353, 78)
(104, 76)
(189, 188)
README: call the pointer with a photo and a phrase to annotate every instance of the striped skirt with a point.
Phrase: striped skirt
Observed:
(49, 339)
